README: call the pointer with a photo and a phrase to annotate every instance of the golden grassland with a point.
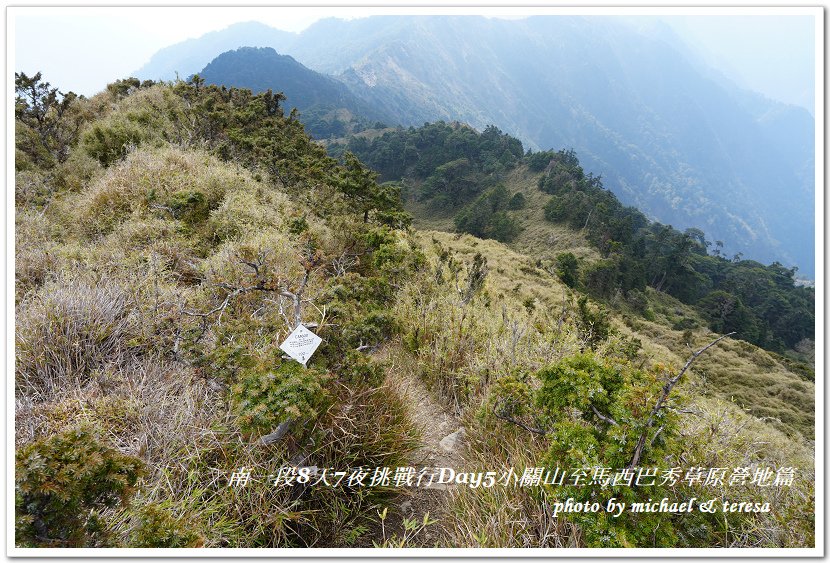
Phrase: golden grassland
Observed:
(130, 319)
(524, 320)
(736, 371)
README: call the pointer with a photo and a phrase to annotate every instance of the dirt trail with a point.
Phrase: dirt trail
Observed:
(442, 441)
(435, 421)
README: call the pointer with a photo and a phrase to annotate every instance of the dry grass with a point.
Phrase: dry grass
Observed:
(249, 210)
(736, 371)
(518, 320)
(522, 319)
(469, 348)
(755, 379)
(37, 254)
(427, 218)
(68, 329)
(512, 517)
(512, 276)
(31, 188)
(149, 407)
(539, 237)
(105, 276)
(719, 434)
(146, 180)
(106, 271)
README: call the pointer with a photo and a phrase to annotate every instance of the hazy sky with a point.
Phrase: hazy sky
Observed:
(83, 49)
(770, 54)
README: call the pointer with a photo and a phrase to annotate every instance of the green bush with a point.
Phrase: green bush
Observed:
(518, 201)
(486, 217)
(167, 182)
(297, 225)
(595, 410)
(109, 141)
(191, 206)
(370, 328)
(366, 289)
(288, 392)
(60, 485)
(46, 122)
(684, 323)
(592, 323)
(511, 395)
(538, 161)
(157, 527)
(359, 369)
(395, 258)
(567, 269)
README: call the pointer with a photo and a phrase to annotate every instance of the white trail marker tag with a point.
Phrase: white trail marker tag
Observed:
(301, 344)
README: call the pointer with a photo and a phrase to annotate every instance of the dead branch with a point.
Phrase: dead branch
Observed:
(517, 330)
(656, 434)
(233, 292)
(279, 432)
(296, 297)
(163, 208)
(363, 347)
(601, 416)
(667, 389)
(343, 263)
(519, 423)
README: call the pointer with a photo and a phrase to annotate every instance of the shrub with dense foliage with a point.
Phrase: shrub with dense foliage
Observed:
(62, 484)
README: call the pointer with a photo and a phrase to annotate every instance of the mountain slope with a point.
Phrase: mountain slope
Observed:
(546, 204)
(668, 135)
(665, 138)
(317, 96)
(169, 236)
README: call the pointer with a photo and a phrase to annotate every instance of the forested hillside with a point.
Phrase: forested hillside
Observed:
(169, 236)
(454, 169)
(627, 94)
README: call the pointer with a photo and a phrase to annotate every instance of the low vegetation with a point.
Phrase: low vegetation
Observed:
(170, 237)
(453, 168)
(155, 285)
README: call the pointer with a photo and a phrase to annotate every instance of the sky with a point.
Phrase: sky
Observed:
(84, 48)
(768, 54)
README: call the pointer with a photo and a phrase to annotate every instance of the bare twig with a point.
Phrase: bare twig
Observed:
(667, 389)
(232, 293)
(278, 433)
(163, 208)
(519, 423)
(654, 438)
(564, 312)
(607, 419)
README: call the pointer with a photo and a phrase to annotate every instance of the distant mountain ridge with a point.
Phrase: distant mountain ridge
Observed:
(686, 149)
(318, 97)
(188, 57)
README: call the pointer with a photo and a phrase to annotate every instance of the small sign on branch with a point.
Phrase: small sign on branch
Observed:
(301, 344)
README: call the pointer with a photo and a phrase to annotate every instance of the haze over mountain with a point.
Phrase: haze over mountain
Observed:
(327, 105)
(669, 136)
(189, 57)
